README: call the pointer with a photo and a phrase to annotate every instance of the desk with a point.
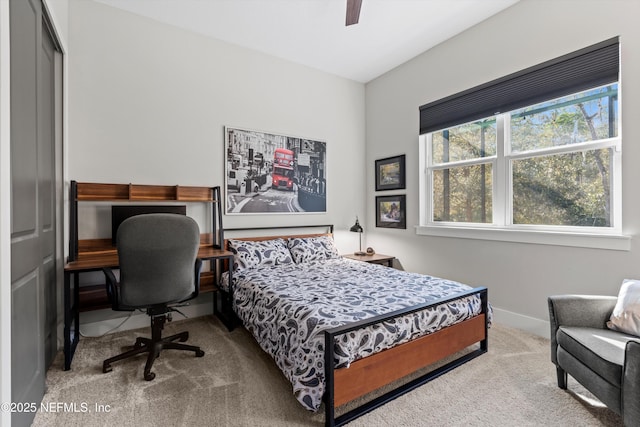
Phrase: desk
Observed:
(96, 261)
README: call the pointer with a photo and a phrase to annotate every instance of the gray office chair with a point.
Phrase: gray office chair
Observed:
(159, 270)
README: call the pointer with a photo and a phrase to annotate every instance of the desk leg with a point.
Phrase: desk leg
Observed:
(71, 317)
(67, 320)
(76, 314)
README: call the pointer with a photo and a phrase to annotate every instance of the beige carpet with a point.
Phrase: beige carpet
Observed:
(236, 384)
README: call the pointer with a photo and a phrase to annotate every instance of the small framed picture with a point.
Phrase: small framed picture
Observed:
(390, 173)
(391, 211)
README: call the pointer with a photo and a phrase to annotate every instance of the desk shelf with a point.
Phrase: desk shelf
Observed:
(136, 192)
(99, 192)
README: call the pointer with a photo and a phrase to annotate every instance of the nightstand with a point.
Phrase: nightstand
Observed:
(373, 259)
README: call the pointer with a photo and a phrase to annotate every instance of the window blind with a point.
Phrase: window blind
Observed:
(586, 68)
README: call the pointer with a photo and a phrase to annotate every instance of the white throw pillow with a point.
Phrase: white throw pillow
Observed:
(626, 314)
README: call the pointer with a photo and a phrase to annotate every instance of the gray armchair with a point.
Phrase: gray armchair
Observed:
(159, 270)
(605, 362)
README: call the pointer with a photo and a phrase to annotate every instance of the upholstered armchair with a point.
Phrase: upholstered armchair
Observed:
(606, 362)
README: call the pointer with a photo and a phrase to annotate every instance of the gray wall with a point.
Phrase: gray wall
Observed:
(519, 276)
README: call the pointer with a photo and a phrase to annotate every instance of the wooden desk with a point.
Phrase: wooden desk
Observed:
(99, 259)
(95, 254)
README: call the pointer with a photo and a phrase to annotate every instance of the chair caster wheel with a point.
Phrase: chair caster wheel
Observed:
(199, 353)
(106, 368)
(150, 376)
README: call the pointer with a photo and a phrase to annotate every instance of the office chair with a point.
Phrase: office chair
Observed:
(159, 270)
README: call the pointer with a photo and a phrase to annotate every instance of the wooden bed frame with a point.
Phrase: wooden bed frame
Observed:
(371, 373)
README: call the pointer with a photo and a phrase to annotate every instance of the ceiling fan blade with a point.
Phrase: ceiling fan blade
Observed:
(353, 11)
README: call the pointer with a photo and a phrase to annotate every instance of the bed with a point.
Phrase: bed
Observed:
(339, 329)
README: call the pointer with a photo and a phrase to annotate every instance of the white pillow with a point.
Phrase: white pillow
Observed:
(626, 313)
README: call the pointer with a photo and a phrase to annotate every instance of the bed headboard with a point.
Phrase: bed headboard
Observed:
(257, 234)
(285, 232)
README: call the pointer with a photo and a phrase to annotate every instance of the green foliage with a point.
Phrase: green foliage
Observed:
(468, 141)
(560, 190)
(569, 189)
(463, 194)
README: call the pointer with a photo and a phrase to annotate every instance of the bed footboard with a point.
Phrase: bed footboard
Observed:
(365, 375)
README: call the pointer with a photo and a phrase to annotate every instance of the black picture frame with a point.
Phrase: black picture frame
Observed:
(391, 211)
(390, 173)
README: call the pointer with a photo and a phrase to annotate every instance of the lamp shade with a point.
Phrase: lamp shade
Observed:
(356, 228)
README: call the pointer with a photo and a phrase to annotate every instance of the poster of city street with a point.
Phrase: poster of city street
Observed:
(270, 173)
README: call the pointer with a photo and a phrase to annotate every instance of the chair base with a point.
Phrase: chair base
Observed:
(154, 346)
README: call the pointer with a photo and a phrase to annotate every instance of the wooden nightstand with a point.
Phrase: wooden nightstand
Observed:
(374, 259)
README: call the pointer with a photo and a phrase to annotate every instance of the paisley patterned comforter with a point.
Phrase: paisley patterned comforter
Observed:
(287, 307)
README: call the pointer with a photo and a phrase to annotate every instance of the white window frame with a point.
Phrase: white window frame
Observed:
(502, 227)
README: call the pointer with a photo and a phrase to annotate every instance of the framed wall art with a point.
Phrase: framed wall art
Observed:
(390, 174)
(391, 211)
(272, 173)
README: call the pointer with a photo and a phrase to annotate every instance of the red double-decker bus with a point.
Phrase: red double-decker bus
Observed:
(282, 176)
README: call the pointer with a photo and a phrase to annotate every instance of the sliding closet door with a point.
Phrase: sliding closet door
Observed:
(33, 219)
(47, 189)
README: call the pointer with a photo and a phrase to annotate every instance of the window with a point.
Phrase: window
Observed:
(551, 166)
(461, 169)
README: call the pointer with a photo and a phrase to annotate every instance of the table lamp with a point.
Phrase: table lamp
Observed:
(357, 228)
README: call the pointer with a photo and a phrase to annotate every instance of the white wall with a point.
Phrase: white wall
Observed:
(519, 276)
(148, 103)
(58, 11)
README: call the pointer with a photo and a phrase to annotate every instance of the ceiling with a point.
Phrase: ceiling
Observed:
(313, 32)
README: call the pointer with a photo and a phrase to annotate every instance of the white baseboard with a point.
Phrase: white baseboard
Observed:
(520, 321)
(139, 320)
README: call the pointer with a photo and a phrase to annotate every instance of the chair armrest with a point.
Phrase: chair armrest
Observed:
(631, 384)
(590, 311)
